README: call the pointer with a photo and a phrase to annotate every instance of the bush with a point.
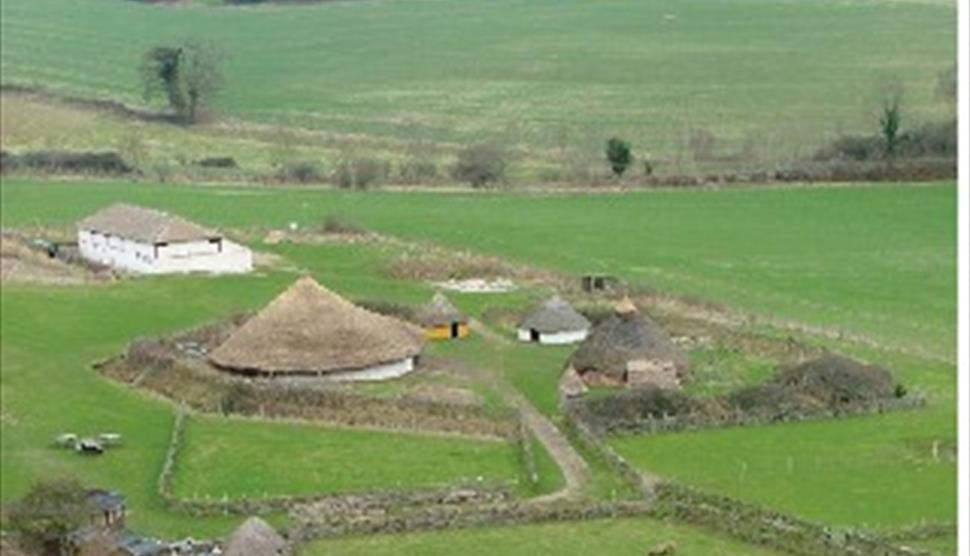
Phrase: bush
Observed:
(47, 513)
(66, 161)
(218, 162)
(418, 171)
(480, 165)
(619, 156)
(360, 173)
(301, 172)
(337, 224)
(938, 139)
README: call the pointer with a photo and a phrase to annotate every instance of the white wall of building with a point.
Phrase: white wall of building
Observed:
(555, 338)
(145, 258)
(377, 372)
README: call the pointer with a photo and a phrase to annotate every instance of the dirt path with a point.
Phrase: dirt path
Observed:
(572, 465)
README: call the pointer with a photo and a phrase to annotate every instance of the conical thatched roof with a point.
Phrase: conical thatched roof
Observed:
(555, 315)
(308, 328)
(254, 537)
(626, 336)
(439, 311)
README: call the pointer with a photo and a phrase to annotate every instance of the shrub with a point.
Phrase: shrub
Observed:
(301, 172)
(66, 161)
(418, 171)
(47, 513)
(218, 162)
(480, 165)
(619, 155)
(360, 173)
(337, 224)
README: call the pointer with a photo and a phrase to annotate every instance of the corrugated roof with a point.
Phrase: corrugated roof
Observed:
(145, 225)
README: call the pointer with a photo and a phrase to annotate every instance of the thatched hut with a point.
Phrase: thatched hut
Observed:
(554, 322)
(629, 348)
(441, 319)
(309, 330)
(254, 537)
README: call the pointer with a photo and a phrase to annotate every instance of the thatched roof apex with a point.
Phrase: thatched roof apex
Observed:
(621, 339)
(254, 537)
(625, 307)
(439, 311)
(555, 315)
(144, 225)
(308, 328)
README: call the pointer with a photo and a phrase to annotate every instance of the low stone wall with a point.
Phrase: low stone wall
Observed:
(451, 516)
(576, 411)
(757, 525)
(198, 386)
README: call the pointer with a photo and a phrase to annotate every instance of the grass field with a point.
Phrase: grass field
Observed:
(239, 458)
(876, 261)
(552, 77)
(618, 536)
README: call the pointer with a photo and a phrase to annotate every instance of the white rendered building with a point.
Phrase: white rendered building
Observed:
(149, 241)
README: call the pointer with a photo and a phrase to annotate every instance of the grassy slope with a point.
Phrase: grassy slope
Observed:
(618, 536)
(778, 75)
(240, 458)
(873, 260)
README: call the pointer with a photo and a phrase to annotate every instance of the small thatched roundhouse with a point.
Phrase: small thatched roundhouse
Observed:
(309, 330)
(254, 537)
(554, 322)
(629, 348)
(441, 319)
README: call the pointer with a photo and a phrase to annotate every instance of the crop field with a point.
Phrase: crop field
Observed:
(553, 78)
(238, 458)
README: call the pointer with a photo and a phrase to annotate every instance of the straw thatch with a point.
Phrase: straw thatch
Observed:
(625, 341)
(571, 384)
(254, 537)
(439, 312)
(555, 315)
(144, 225)
(309, 329)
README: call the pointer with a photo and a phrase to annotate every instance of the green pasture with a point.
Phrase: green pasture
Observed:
(879, 261)
(615, 536)
(769, 80)
(242, 458)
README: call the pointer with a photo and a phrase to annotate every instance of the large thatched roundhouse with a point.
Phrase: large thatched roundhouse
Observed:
(554, 322)
(309, 330)
(441, 319)
(254, 537)
(629, 348)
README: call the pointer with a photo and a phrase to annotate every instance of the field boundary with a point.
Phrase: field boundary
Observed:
(343, 505)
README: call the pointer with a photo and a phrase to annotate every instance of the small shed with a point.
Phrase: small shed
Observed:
(554, 322)
(254, 537)
(442, 320)
(107, 508)
(629, 348)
